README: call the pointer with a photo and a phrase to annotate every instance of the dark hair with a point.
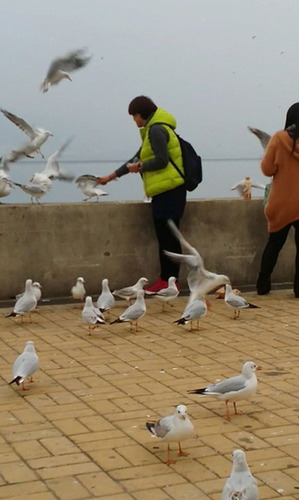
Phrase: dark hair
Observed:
(292, 123)
(142, 105)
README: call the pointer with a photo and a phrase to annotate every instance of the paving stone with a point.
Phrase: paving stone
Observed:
(80, 430)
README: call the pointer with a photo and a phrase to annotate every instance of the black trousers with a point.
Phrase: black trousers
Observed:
(272, 249)
(167, 241)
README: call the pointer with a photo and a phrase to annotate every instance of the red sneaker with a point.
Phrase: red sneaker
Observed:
(159, 285)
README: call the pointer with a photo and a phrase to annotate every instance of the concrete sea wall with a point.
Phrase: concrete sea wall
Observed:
(56, 243)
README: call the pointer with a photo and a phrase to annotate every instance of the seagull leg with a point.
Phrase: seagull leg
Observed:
(227, 414)
(169, 461)
(235, 314)
(182, 453)
(238, 313)
(236, 411)
(24, 388)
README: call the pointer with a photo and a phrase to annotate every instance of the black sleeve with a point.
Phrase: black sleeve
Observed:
(123, 170)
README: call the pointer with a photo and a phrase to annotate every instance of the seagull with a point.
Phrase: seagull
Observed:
(263, 137)
(59, 68)
(92, 315)
(26, 303)
(36, 289)
(193, 311)
(25, 365)
(233, 389)
(5, 184)
(105, 300)
(244, 187)
(167, 294)
(78, 291)
(174, 428)
(52, 171)
(36, 191)
(130, 292)
(200, 281)
(134, 312)
(88, 185)
(241, 485)
(236, 301)
(38, 137)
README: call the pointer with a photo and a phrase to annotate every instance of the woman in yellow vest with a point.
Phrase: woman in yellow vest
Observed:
(162, 182)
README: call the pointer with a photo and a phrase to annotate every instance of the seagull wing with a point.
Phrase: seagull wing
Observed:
(262, 136)
(52, 169)
(70, 62)
(22, 124)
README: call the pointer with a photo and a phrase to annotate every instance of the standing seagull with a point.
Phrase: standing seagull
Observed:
(193, 311)
(37, 138)
(78, 291)
(130, 292)
(174, 428)
(241, 485)
(91, 315)
(236, 301)
(37, 291)
(233, 389)
(167, 294)
(134, 312)
(59, 68)
(89, 186)
(105, 300)
(35, 191)
(26, 303)
(25, 365)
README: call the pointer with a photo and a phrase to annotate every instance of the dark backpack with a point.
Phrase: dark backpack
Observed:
(191, 162)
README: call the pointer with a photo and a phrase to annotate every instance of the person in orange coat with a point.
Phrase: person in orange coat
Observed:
(281, 161)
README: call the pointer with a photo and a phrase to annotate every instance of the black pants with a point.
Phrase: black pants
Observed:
(167, 241)
(272, 249)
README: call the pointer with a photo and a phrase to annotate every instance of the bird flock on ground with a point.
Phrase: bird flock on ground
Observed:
(178, 427)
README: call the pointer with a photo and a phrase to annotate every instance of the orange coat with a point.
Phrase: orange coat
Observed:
(282, 206)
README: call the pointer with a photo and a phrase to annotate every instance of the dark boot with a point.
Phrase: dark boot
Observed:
(263, 284)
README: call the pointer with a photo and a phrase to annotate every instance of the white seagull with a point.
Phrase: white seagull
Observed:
(62, 66)
(35, 191)
(236, 301)
(245, 186)
(174, 428)
(134, 312)
(52, 171)
(78, 291)
(38, 137)
(5, 184)
(88, 185)
(233, 389)
(37, 291)
(200, 281)
(91, 315)
(130, 292)
(241, 485)
(105, 300)
(25, 365)
(167, 294)
(26, 303)
(193, 312)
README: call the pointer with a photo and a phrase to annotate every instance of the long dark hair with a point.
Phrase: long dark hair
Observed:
(292, 123)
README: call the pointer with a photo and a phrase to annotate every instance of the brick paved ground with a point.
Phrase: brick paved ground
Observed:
(79, 432)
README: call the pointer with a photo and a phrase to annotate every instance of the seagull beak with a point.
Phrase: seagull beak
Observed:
(258, 367)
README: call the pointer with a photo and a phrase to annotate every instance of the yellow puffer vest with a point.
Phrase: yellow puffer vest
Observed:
(167, 178)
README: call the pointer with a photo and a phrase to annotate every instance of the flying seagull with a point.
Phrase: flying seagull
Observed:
(62, 66)
(263, 137)
(52, 171)
(38, 137)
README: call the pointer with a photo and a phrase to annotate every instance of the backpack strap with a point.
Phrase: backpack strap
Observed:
(170, 159)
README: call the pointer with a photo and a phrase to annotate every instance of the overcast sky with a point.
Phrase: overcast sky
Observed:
(217, 65)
